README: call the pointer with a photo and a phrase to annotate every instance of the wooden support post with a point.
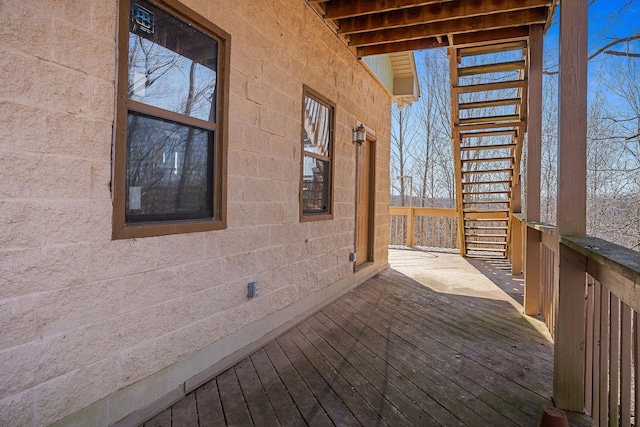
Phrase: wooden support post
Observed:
(532, 261)
(534, 124)
(410, 227)
(516, 246)
(532, 270)
(569, 354)
(569, 350)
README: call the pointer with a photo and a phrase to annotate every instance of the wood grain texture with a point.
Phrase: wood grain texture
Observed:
(572, 119)
(429, 342)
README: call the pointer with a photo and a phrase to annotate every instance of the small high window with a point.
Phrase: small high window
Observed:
(170, 142)
(317, 153)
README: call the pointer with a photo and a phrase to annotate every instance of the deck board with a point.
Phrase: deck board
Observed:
(474, 344)
(287, 412)
(234, 403)
(261, 411)
(496, 374)
(424, 375)
(429, 342)
(209, 406)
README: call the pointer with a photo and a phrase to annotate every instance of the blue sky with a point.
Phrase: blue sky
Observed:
(608, 19)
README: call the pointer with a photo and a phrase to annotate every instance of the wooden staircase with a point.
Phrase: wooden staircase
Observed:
(488, 112)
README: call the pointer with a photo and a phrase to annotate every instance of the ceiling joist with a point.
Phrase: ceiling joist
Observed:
(463, 25)
(432, 13)
(372, 27)
(346, 9)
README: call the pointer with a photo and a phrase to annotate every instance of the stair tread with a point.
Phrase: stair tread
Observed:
(486, 182)
(488, 171)
(487, 249)
(487, 219)
(485, 242)
(486, 235)
(487, 202)
(486, 147)
(486, 227)
(484, 192)
(485, 256)
(488, 160)
(507, 118)
(485, 210)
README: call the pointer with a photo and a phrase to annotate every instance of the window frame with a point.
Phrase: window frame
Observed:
(316, 96)
(120, 228)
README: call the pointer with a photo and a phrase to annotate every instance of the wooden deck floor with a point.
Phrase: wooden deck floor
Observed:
(430, 341)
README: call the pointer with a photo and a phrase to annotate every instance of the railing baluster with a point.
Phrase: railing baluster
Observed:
(432, 227)
(597, 344)
(612, 334)
(636, 363)
(614, 360)
(626, 338)
(589, 345)
(604, 356)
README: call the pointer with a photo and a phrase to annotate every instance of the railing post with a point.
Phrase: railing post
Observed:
(532, 251)
(569, 349)
(569, 354)
(516, 246)
(410, 227)
(532, 273)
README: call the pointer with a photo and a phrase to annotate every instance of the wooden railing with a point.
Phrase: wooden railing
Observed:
(425, 227)
(542, 238)
(612, 345)
(608, 354)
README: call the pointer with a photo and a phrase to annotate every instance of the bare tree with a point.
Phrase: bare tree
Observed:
(432, 164)
(404, 131)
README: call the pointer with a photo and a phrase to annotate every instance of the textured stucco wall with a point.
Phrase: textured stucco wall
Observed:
(82, 316)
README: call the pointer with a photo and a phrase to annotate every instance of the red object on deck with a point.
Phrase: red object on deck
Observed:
(553, 417)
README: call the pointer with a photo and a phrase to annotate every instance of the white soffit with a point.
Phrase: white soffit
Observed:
(405, 78)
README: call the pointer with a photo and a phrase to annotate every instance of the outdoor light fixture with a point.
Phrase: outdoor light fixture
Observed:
(359, 135)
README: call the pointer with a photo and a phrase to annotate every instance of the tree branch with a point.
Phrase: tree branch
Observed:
(605, 49)
(613, 43)
(617, 53)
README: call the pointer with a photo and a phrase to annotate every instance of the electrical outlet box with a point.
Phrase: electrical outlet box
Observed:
(252, 290)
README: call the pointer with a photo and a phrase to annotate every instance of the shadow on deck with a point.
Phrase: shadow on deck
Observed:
(430, 341)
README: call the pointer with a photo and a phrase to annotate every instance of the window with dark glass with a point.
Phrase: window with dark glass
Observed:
(169, 145)
(317, 147)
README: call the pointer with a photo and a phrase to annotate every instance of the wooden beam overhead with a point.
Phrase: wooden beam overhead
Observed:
(372, 27)
(479, 23)
(431, 13)
(339, 9)
(428, 43)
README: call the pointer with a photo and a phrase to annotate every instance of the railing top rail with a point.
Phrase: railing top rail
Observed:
(435, 212)
(542, 227)
(417, 211)
(624, 261)
(398, 210)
